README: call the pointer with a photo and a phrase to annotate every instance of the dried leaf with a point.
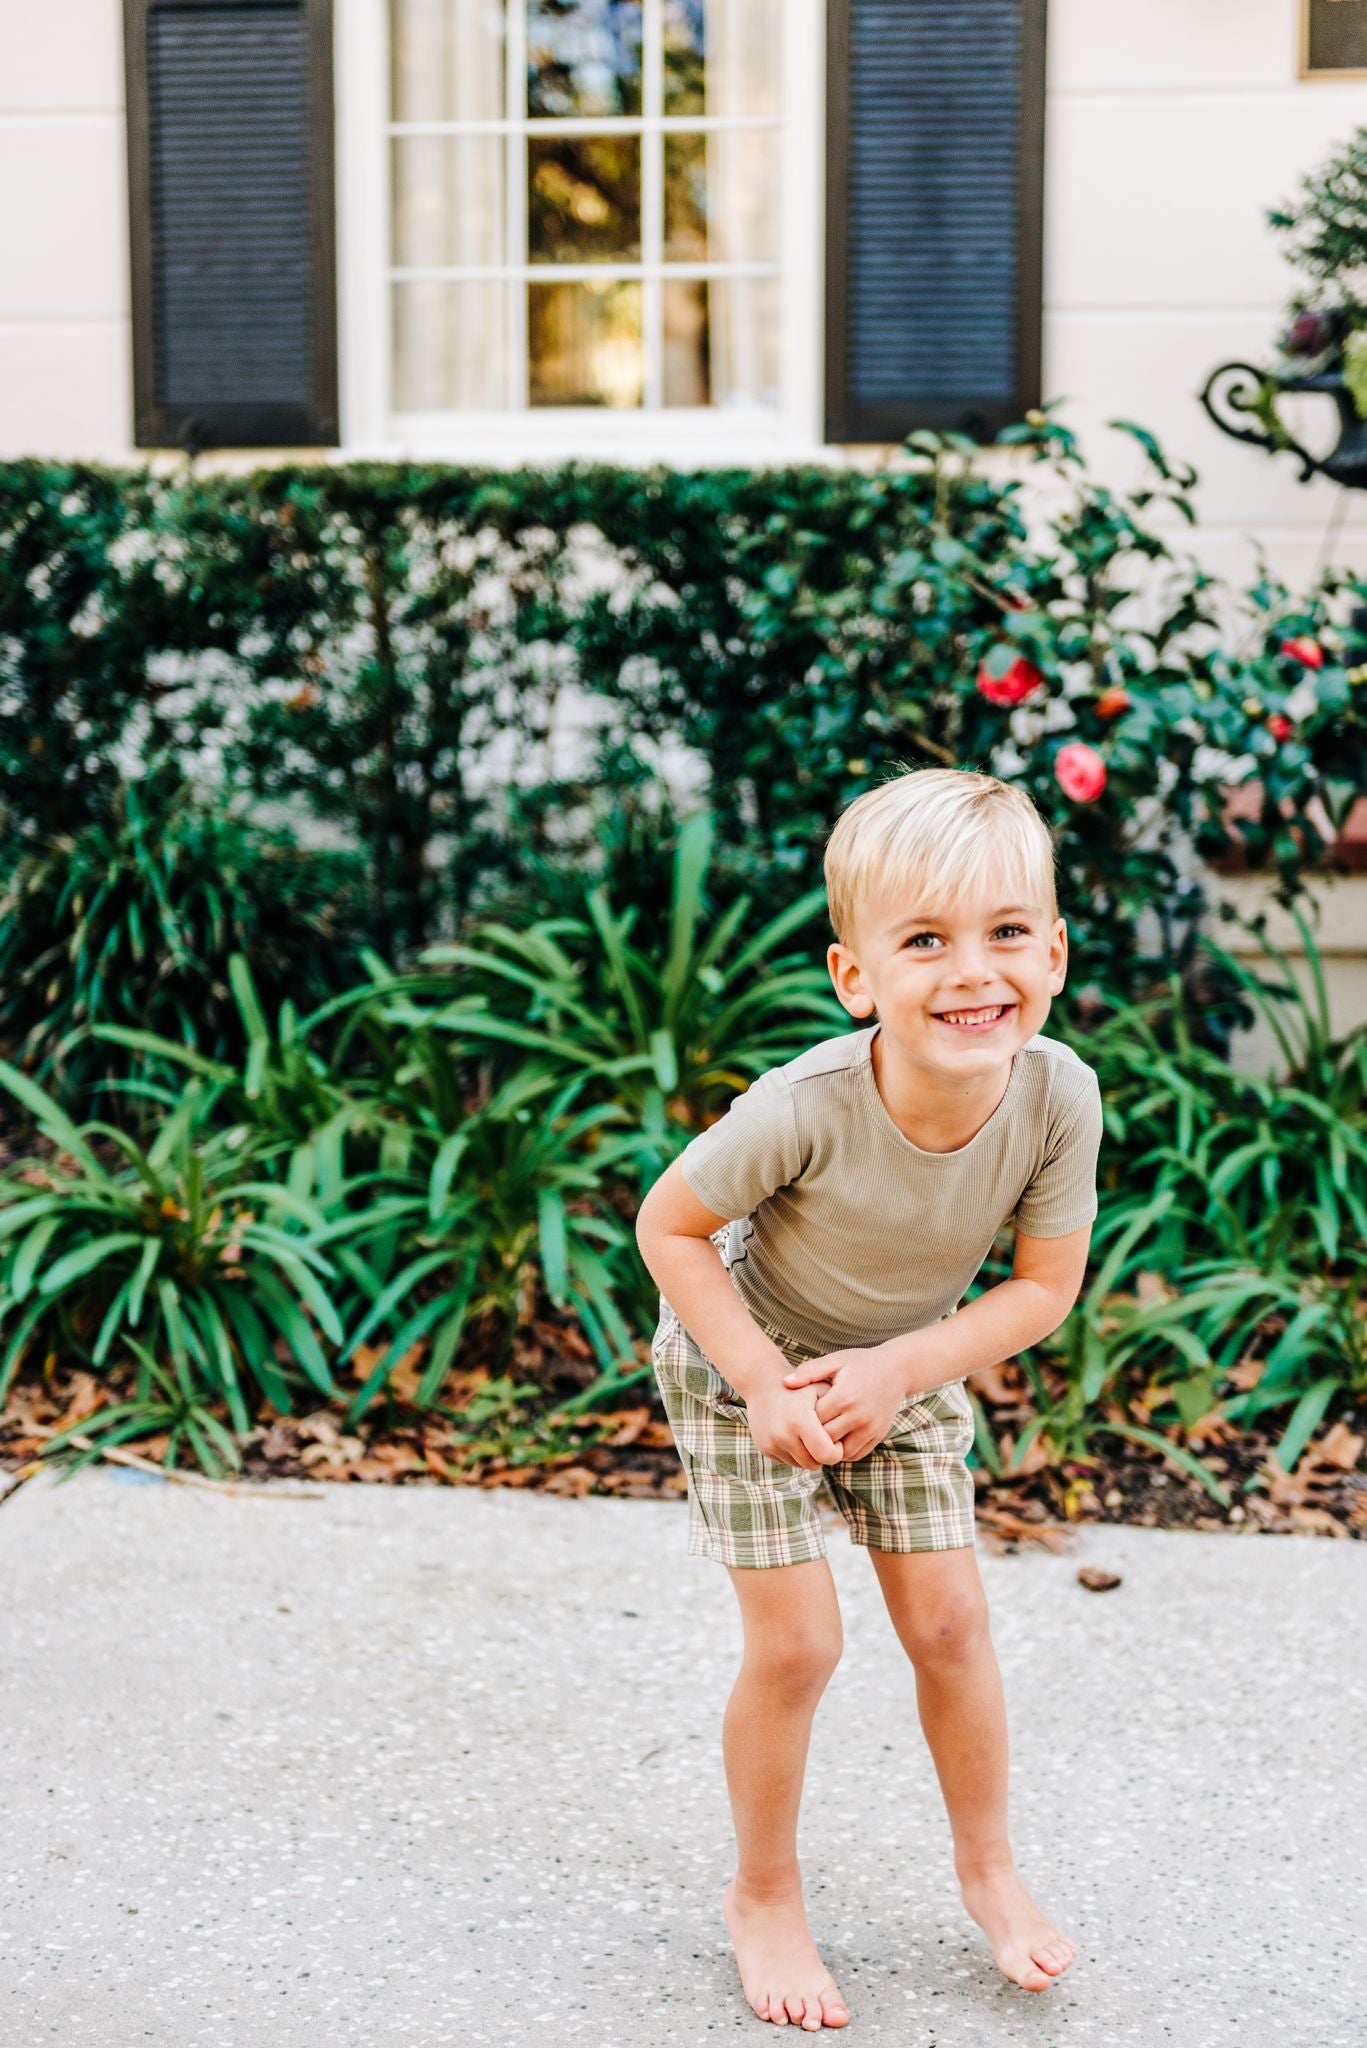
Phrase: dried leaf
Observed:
(1285, 1488)
(1149, 1287)
(1211, 1428)
(1002, 1386)
(1245, 1374)
(572, 1479)
(1039, 1454)
(85, 1396)
(1096, 1579)
(1318, 1521)
(634, 1422)
(1338, 1446)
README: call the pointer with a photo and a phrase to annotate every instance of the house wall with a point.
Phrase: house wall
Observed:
(1170, 127)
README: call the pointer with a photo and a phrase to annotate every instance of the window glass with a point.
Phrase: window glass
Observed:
(450, 344)
(632, 146)
(721, 56)
(583, 57)
(446, 59)
(721, 196)
(583, 198)
(721, 342)
(448, 199)
(585, 344)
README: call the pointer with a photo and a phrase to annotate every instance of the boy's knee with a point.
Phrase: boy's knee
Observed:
(796, 1665)
(954, 1627)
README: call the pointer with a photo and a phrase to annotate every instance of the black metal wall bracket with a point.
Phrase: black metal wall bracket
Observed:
(1242, 401)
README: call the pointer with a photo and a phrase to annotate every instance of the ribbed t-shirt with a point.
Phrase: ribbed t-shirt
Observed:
(843, 1232)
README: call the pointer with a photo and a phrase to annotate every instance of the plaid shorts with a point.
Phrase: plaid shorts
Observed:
(913, 1491)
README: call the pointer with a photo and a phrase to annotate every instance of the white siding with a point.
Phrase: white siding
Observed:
(1171, 126)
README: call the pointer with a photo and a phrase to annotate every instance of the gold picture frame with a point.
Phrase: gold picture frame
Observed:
(1323, 22)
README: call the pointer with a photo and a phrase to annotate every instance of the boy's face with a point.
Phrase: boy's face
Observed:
(959, 991)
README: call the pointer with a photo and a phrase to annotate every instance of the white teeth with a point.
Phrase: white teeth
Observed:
(973, 1016)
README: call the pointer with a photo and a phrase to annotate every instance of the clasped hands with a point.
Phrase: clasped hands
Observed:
(830, 1410)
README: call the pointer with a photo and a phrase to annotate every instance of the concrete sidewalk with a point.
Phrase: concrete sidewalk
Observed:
(442, 1767)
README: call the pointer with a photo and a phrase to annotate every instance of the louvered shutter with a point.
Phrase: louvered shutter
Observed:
(935, 138)
(230, 127)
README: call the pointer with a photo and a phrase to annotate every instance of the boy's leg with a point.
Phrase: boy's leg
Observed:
(939, 1610)
(791, 1621)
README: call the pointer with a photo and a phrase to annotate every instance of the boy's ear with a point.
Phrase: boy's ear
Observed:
(847, 981)
(1058, 957)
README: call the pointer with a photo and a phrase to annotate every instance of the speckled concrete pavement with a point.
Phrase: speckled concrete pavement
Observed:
(442, 1767)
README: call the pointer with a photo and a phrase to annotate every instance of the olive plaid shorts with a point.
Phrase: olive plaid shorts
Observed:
(913, 1491)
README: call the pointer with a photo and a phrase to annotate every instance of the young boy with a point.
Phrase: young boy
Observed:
(853, 1194)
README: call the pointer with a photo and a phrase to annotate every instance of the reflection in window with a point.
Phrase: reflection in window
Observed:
(721, 197)
(583, 198)
(583, 57)
(585, 344)
(721, 56)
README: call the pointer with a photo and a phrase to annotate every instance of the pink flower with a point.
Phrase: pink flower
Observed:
(1080, 771)
(1305, 650)
(1021, 680)
(1280, 726)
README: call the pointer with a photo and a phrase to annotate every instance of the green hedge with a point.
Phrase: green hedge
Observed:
(386, 648)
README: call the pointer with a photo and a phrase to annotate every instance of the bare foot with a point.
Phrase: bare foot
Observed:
(782, 1975)
(1026, 1945)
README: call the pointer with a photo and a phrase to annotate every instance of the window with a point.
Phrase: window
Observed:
(597, 221)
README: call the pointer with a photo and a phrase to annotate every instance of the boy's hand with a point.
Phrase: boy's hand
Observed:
(785, 1425)
(866, 1389)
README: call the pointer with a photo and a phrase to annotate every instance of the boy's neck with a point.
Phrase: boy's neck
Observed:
(938, 1112)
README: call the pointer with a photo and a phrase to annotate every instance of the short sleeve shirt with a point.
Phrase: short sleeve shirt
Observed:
(844, 1232)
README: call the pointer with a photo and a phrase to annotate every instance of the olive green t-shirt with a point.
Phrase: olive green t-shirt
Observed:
(844, 1232)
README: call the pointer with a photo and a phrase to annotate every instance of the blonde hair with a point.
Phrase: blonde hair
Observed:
(931, 834)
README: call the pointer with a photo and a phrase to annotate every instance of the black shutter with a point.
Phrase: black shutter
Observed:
(232, 239)
(935, 146)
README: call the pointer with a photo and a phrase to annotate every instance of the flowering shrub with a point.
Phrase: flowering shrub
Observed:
(394, 649)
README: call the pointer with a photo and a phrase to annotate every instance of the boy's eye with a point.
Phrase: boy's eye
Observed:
(922, 941)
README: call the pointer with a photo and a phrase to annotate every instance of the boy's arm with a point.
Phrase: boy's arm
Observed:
(673, 1229)
(1046, 1274)
(1046, 1278)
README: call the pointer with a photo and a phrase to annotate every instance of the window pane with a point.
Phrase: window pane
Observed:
(721, 341)
(584, 344)
(721, 197)
(448, 199)
(584, 198)
(446, 60)
(721, 56)
(583, 57)
(450, 346)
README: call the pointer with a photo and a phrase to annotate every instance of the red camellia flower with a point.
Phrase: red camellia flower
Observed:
(1280, 726)
(1305, 650)
(1112, 702)
(1080, 771)
(1021, 680)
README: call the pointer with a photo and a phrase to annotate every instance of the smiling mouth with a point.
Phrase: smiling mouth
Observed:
(980, 1019)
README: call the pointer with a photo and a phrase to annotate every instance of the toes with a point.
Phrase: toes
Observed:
(833, 2013)
(795, 2006)
(1033, 1979)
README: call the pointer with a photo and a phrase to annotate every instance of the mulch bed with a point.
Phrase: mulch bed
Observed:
(629, 1453)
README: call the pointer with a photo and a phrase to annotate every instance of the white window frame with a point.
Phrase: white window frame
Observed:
(686, 437)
